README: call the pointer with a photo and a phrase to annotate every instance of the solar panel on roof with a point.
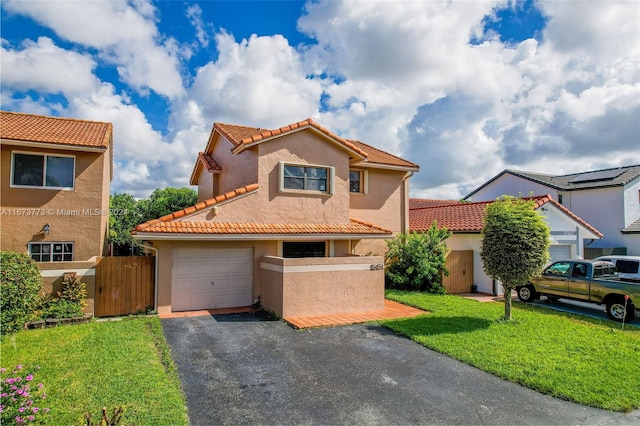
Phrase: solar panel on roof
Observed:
(597, 176)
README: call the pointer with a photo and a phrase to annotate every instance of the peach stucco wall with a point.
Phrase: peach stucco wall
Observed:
(237, 170)
(321, 286)
(79, 215)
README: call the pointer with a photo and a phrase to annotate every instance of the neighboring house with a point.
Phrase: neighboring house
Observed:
(466, 220)
(281, 215)
(55, 178)
(608, 199)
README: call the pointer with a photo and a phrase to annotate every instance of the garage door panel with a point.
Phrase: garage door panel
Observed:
(194, 271)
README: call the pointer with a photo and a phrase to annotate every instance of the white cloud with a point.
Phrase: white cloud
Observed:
(259, 81)
(44, 67)
(124, 34)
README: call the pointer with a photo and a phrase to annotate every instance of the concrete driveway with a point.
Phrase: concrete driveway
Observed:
(246, 369)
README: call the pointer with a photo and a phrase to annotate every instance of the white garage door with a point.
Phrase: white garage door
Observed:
(207, 278)
(559, 252)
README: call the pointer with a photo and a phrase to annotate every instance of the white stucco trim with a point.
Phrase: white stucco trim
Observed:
(49, 273)
(314, 268)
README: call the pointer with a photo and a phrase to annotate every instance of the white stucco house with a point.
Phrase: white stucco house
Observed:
(608, 199)
(466, 220)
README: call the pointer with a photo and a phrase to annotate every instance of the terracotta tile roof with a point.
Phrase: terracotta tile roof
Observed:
(241, 136)
(200, 206)
(168, 223)
(55, 130)
(417, 203)
(206, 161)
(224, 228)
(377, 156)
(469, 217)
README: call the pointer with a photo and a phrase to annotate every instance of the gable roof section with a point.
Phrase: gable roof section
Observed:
(40, 129)
(206, 161)
(168, 224)
(242, 137)
(602, 178)
(377, 156)
(469, 217)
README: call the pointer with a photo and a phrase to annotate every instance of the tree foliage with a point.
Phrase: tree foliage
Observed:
(127, 212)
(515, 244)
(416, 261)
(20, 282)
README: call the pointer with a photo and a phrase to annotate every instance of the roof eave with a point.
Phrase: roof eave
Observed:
(53, 145)
(139, 235)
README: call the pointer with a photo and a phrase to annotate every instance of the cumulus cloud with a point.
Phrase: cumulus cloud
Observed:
(124, 33)
(44, 67)
(259, 81)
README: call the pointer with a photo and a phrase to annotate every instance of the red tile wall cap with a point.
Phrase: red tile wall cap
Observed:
(200, 206)
(55, 130)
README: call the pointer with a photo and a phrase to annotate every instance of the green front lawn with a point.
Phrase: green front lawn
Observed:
(585, 360)
(107, 364)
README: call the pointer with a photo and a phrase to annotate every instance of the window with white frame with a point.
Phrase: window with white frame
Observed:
(298, 177)
(51, 252)
(42, 170)
(358, 181)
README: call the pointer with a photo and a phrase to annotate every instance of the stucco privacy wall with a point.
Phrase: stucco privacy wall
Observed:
(53, 274)
(321, 286)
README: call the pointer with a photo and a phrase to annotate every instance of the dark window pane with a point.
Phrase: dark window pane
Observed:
(34, 248)
(293, 183)
(68, 257)
(293, 171)
(68, 248)
(46, 258)
(46, 248)
(28, 169)
(35, 257)
(354, 181)
(57, 248)
(628, 266)
(60, 172)
(57, 258)
(303, 249)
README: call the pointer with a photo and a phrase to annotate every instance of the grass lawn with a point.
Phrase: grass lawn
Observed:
(102, 364)
(580, 359)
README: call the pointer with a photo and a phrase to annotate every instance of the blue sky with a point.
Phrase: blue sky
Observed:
(465, 89)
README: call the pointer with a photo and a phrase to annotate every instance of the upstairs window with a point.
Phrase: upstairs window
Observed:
(51, 252)
(42, 171)
(306, 178)
(358, 181)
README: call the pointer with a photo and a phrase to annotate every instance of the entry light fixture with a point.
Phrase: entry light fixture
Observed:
(46, 229)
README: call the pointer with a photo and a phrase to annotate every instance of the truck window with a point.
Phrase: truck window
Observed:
(628, 266)
(597, 271)
(579, 270)
(558, 269)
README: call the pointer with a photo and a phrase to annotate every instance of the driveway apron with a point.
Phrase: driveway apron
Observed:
(247, 369)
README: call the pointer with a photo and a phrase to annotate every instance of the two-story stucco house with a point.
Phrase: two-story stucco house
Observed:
(294, 217)
(56, 174)
(608, 199)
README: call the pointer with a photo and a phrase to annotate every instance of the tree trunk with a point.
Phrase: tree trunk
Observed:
(507, 303)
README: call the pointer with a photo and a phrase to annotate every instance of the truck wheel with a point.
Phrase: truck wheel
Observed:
(527, 293)
(615, 310)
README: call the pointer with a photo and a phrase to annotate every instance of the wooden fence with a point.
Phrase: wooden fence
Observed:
(124, 285)
(460, 267)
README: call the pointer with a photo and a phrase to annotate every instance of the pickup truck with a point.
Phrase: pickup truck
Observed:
(587, 281)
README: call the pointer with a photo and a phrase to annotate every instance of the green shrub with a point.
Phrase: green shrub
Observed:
(20, 282)
(62, 308)
(416, 261)
(73, 290)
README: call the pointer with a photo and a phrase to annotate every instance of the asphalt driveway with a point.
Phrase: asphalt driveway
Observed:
(247, 369)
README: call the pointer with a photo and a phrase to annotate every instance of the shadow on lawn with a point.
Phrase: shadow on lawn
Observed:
(427, 325)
